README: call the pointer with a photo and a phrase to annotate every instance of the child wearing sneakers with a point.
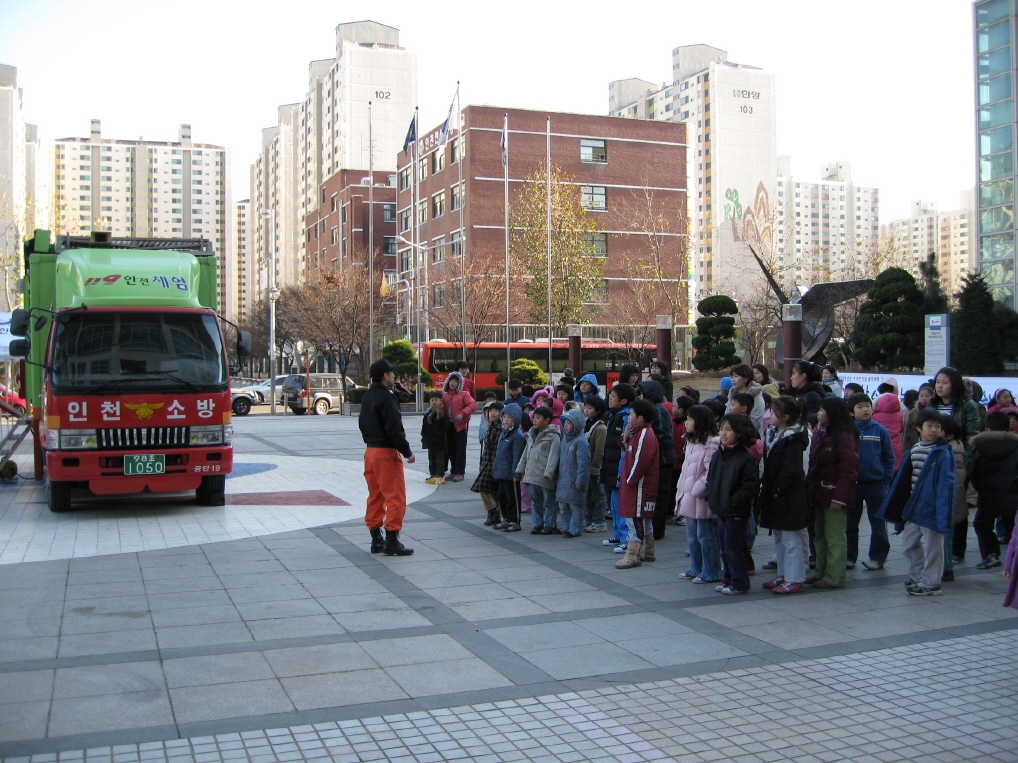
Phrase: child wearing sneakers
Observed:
(434, 436)
(922, 496)
(638, 484)
(486, 484)
(538, 470)
(701, 442)
(573, 473)
(733, 480)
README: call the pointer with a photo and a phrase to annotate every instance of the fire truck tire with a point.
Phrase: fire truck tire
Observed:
(212, 491)
(58, 496)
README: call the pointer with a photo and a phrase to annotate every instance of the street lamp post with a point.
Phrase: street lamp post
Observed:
(420, 263)
(270, 214)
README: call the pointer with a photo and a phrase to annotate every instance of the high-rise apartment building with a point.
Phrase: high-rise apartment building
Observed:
(822, 225)
(328, 131)
(995, 70)
(945, 235)
(242, 262)
(732, 164)
(25, 198)
(162, 189)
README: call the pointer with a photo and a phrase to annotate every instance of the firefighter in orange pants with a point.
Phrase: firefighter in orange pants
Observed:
(381, 425)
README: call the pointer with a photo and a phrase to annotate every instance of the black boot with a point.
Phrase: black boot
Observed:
(376, 541)
(393, 547)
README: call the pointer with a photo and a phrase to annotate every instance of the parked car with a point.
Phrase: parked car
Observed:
(262, 389)
(13, 399)
(326, 392)
(242, 401)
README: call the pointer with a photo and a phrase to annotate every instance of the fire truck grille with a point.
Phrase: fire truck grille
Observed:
(146, 438)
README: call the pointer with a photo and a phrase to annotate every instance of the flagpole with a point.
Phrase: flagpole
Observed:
(371, 244)
(548, 145)
(415, 235)
(505, 168)
(463, 234)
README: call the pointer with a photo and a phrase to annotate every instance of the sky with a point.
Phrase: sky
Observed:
(887, 84)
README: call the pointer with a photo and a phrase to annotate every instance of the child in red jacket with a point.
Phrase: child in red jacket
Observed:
(638, 483)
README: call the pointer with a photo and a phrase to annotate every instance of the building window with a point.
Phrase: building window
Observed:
(335, 203)
(404, 178)
(593, 198)
(457, 244)
(422, 212)
(438, 295)
(405, 260)
(457, 292)
(593, 151)
(422, 168)
(404, 220)
(342, 214)
(335, 236)
(597, 244)
(599, 296)
(438, 161)
(343, 250)
(389, 245)
(388, 213)
(438, 204)
(457, 197)
(438, 249)
(454, 151)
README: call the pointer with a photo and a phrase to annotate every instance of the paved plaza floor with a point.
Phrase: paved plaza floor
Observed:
(158, 630)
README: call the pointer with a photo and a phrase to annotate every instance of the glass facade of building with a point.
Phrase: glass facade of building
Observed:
(995, 74)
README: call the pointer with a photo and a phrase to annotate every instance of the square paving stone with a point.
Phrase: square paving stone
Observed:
(381, 620)
(16, 649)
(575, 601)
(28, 626)
(216, 669)
(796, 634)
(107, 643)
(294, 627)
(585, 660)
(110, 712)
(415, 650)
(102, 623)
(680, 649)
(215, 613)
(188, 599)
(525, 638)
(337, 689)
(475, 611)
(26, 686)
(447, 677)
(636, 626)
(193, 704)
(270, 610)
(203, 635)
(311, 660)
(741, 613)
(24, 720)
(361, 602)
(122, 678)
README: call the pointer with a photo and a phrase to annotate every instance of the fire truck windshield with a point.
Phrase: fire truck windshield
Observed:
(96, 351)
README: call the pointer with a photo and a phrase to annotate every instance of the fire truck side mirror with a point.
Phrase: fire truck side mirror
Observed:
(19, 348)
(19, 322)
(243, 344)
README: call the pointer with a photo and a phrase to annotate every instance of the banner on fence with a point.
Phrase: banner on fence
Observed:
(870, 382)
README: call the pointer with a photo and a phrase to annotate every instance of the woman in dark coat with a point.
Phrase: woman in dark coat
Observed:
(783, 492)
(807, 389)
(833, 472)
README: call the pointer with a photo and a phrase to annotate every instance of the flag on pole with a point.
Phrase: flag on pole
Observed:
(411, 135)
(452, 120)
(504, 142)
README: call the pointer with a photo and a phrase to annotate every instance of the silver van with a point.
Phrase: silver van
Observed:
(325, 394)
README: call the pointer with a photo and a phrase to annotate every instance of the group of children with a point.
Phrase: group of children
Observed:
(802, 462)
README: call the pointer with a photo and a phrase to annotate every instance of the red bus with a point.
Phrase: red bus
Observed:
(603, 358)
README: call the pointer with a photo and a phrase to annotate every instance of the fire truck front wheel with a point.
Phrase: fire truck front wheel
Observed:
(58, 496)
(212, 491)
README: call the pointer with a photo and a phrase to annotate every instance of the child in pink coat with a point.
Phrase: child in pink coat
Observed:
(691, 502)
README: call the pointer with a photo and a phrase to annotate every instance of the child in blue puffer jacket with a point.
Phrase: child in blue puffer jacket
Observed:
(923, 496)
